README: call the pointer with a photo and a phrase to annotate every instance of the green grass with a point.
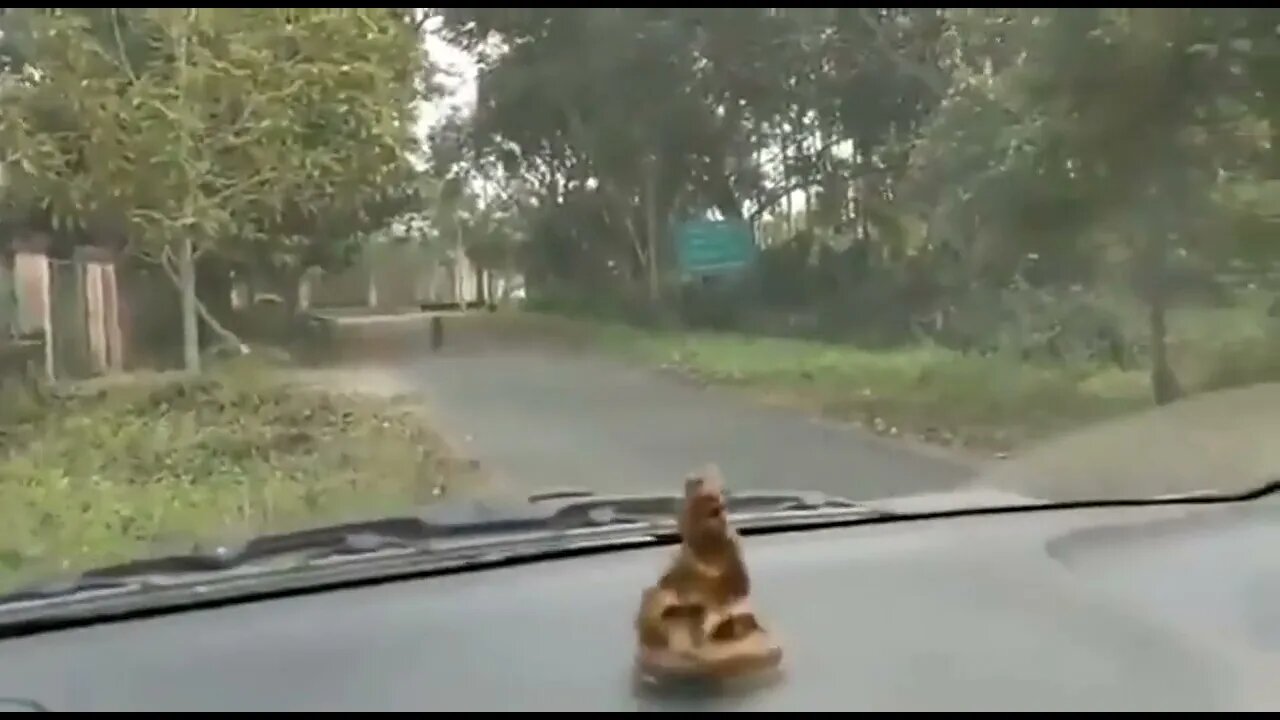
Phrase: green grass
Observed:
(125, 470)
(988, 404)
(935, 394)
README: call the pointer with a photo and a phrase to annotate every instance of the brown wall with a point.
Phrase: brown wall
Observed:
(98, 316)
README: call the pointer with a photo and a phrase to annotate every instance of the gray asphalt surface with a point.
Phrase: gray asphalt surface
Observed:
(542, 414)
(541, 417)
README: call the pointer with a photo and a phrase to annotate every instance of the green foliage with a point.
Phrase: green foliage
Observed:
(124, 471)
(267, 134)
(942, 156)
(629, 117)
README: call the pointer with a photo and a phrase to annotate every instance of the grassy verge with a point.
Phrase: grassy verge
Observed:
(929, 393)
(993, 404)
(118, 471)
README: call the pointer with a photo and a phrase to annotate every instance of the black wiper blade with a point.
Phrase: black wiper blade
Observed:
(153, 572)
(436, 525)
(349, 538)
(580, 509)
(551, 517)
(56, 589)
(546, 514)
(353, 538)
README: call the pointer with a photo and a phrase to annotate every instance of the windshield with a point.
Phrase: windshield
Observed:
(268, 270)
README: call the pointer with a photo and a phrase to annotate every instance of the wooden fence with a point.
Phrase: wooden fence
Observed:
(89, 321)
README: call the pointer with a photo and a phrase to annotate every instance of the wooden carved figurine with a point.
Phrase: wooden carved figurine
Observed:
(698, 621)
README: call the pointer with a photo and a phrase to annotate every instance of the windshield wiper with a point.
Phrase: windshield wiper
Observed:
(580, 508)
(548, 521)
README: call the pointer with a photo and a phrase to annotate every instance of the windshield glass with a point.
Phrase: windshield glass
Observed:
(265, 270)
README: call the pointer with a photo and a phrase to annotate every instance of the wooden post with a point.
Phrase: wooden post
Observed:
(115, 335)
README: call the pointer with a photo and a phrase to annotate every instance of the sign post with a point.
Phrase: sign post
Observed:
(713, 247)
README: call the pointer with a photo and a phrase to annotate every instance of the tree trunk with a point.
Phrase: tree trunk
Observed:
(176, 276)
(213, 289)
(652, 229)
(187, 288)
(186, 251)
(459, 278)
(726, 201)
(291, 292)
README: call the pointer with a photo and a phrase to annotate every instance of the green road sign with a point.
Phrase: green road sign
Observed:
(713, 247)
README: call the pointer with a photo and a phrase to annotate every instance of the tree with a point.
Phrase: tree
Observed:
(1112, 129)
(213, 130)
(645, 116)
(934, 155)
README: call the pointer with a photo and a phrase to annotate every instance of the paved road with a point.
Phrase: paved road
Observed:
(541, 417)
(539, 414)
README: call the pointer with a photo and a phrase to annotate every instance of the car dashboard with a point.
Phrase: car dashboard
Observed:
(1140, 608)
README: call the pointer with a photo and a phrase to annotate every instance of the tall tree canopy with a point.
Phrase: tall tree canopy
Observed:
(271, 134)
(928, 154)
